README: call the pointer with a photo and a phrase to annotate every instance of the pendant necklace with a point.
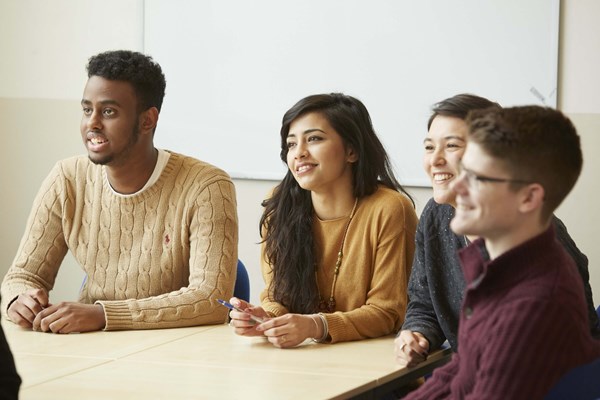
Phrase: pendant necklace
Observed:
(329, 305)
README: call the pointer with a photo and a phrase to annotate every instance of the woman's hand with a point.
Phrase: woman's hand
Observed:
(242, 322)
(411, 348)
(290, 330)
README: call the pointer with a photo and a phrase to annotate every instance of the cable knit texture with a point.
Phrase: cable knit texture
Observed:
(370, 293)
(523, 325)
(157, 259)
(436, 284)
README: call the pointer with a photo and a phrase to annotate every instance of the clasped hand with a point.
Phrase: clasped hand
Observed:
(32, 310)
(411, 348)
(286, 331)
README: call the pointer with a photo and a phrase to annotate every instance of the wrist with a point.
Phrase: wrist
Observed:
(101, 316)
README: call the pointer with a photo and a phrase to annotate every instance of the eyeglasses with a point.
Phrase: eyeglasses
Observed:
(473, 178)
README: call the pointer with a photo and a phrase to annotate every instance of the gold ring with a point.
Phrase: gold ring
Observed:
(283, 339)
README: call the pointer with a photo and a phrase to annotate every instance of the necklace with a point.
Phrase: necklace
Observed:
(329, 305)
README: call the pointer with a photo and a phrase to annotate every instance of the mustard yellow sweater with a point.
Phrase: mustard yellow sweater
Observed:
(157, 259)
(370, 293)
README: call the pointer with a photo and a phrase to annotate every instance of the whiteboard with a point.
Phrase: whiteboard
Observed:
(234, 67)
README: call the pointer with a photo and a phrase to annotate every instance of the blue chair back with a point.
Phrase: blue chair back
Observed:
(242, 283)
(581, 383)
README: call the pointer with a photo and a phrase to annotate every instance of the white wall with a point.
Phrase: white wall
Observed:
(42, 77)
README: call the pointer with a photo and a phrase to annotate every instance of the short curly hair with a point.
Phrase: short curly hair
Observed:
(144, 74)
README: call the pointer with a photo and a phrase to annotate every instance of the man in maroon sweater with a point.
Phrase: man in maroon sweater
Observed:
(524, 320)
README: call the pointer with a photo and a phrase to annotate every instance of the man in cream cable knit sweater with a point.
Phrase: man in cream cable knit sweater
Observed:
(154, 231)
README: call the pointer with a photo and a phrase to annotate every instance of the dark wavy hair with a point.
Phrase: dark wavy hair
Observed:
(286, 223)
(144, 74)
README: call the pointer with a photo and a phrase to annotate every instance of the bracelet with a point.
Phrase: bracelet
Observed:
(325, 328)
(316, 324)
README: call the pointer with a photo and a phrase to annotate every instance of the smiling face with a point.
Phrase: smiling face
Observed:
(488, 209)
(444, 147)
(317, 155)
(110, 121)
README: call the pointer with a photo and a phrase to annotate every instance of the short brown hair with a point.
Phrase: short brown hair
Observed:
(535, 144)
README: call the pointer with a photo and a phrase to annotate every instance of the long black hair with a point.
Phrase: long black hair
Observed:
(286, 223)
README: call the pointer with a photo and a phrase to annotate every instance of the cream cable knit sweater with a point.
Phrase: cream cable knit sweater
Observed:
(158, 259)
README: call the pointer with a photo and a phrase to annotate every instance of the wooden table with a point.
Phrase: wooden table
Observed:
(208, 362)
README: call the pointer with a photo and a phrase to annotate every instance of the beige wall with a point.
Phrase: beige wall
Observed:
(579, 88)
(39, 117)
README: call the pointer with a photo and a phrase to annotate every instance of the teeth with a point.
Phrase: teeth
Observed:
(96, 140)
(304, 168)
(442, 177)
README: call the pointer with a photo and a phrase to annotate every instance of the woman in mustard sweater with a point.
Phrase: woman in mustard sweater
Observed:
(338, 232)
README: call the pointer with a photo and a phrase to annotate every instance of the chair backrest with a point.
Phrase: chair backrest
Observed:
(242, 283)
(581, 383)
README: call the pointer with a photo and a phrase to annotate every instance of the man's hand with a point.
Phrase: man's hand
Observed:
(411, 348)
(69, 317)
(27, 306)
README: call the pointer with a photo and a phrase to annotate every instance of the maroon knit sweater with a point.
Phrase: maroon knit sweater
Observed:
(523, 325)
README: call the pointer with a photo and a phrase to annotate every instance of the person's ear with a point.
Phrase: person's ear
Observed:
(532, 197)
(149, 119)
(351, 155)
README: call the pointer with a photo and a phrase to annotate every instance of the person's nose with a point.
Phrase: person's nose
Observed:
(301, 150)
(94, 121)
(438, 158)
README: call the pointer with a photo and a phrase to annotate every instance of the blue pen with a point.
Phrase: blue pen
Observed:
(232, 307)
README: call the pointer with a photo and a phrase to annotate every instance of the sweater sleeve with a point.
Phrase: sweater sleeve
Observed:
(582, 266)
(212, 270)
(420, 315)
(42, 246)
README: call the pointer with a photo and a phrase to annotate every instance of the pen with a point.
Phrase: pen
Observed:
(232, 307)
